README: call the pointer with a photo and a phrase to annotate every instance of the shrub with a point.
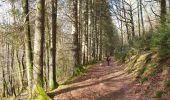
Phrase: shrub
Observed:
(78, 70)
(122, 53)
(141, 43)
(160, 42)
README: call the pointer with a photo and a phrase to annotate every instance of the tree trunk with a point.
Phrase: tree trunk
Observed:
(132, 22)
(75, 32)
(28, 46)
(141, 14)
(126, 24)
(19, 72)
(38, 51)
(139, 25)
(163, 11)
(52, 74)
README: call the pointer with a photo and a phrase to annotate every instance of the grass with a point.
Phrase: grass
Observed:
(80, 71)
(158, 94)
(167, 83)
(143, 79)
(153, 73)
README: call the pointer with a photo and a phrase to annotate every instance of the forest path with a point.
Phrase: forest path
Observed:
(101, 82)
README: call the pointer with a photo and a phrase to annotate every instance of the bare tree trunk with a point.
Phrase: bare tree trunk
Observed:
(149, 19)
(126, 24)
(139, 30)
(76, 40)
(3, 78)
(19, 72)
(79, 30)
(169, 6)
(163, 11)
(8, 69)
(48, 43)
(4, 83)
(132, 22)
(141, 14)
(91, 31)
(28, 46)
(52, 74)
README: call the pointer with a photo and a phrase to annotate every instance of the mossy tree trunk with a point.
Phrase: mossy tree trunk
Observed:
(38, 91)
(19, 72)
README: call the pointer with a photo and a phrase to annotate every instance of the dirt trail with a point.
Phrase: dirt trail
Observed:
(102, 82)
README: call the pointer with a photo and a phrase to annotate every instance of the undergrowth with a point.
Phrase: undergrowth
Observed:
(143, 79)
(167, 83)
(80, 70)
(157, 43)
(158, 94)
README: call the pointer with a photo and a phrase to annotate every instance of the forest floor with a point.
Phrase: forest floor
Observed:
(102, 82)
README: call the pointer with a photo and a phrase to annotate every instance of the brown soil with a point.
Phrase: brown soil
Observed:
(102, 82)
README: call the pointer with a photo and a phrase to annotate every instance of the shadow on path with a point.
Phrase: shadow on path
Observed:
(83, 86)
(100, 83)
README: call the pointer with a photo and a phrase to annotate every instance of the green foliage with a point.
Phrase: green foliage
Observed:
(153, 73)
(158, 41)
(141, 43)
(78, 70)
(121, 56)
(143, 70)
(161, 41)
(167, 83)
(39, 94)
(122, 53)
(143, 79)
(91, 62)
(158, 94)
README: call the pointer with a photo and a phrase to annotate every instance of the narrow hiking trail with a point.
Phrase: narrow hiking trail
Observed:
(102, 82)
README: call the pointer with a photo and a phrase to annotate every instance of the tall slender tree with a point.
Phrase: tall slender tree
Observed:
(28, 45)
(38, 51)
(141, 14)
(52, 77)
(163, 11)
(75, 32)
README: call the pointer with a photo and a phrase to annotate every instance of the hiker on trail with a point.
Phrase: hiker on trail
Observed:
(108, 59)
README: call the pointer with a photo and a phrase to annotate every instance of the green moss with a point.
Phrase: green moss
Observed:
(139, 66)
(130, 65)
(53, 85)
(61, 87)
(39, 94)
